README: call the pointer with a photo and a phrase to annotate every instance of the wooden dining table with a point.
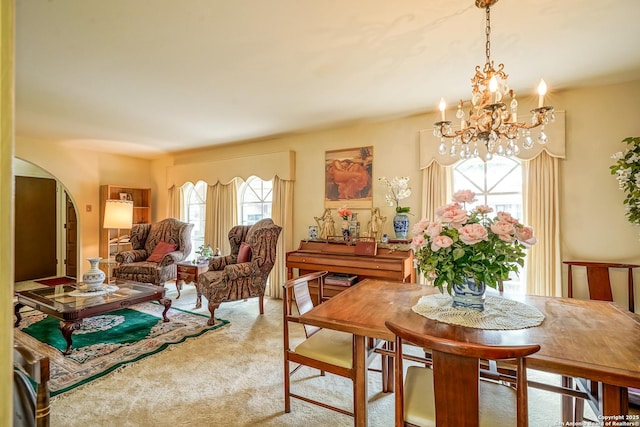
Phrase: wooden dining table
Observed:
(596, 340)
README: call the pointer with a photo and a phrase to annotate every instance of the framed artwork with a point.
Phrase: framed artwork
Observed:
(126, 196)
(348, 178)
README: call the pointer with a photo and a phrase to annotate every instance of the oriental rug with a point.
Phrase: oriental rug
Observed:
(107, 342)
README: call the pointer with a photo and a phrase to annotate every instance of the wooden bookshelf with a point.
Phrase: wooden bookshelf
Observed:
(141, 198)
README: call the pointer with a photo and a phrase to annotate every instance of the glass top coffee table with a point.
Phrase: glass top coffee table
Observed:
(73, 302)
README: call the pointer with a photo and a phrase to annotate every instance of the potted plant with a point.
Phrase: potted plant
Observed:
(627, 172)
(204, 252)
(469, 250)
(345, 213)
(398, 189)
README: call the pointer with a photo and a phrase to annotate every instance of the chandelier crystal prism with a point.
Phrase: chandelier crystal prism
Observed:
(491, 124)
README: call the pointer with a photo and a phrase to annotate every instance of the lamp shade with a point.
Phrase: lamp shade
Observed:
(118, 214)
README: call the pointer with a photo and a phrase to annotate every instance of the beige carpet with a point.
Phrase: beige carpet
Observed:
(232, 377)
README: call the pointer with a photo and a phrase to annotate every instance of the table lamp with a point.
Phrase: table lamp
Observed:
(117, 214)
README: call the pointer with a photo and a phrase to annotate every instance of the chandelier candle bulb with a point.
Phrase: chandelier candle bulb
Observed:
(542, 89)
(442, 106)
(493, 87)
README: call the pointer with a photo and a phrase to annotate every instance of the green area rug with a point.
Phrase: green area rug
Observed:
(106, 342)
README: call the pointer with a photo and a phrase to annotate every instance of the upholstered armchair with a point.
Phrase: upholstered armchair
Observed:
(155, 251)
(242, 274)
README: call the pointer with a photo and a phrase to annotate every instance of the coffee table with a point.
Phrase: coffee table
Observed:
(62, 303)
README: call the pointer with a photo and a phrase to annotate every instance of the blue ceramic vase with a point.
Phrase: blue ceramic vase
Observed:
(469, 295)
(401, 225)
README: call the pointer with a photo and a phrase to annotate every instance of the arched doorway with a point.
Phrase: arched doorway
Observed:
(45, 225)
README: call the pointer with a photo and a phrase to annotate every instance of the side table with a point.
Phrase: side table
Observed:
(188, 273)
(107, 265)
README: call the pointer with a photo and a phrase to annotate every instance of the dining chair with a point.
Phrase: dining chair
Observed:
(451, 393)
(30, 388)
(323, 349)
(599, 286)
(599, 281)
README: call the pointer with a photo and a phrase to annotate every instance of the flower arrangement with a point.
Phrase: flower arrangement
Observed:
(463, 244)
(345, 213)
(627, 172)
(397, 189)
(204, 252)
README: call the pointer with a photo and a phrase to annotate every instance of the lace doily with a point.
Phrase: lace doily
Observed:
(85, 292)
(499, 313)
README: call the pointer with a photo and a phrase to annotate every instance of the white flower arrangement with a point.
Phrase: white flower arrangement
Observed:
(398, 189)
(627, 172)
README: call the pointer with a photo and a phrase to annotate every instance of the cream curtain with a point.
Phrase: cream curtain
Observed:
(282, 215)
(221, 214)
(434, 189)
(542, 212)
(175, 202)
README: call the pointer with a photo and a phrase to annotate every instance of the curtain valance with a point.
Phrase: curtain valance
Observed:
(555, 146)
(264, 166)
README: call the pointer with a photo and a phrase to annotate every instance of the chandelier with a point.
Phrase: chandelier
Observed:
(491, 125)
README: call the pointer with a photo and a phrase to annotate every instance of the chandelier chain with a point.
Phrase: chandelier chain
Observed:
(487, 32)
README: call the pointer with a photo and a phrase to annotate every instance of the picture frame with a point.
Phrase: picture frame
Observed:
(348, 178)
(126, 196)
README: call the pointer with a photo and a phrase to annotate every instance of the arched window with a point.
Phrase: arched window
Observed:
(255, 200)
(497, 183)
(194, 212)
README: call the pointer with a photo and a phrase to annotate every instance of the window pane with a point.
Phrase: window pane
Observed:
(194, 212)
(469, 174)
(497, 183)
(251, 196)
(255, 200)
(511, 203)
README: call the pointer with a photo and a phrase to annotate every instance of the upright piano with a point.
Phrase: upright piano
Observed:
(391, 261)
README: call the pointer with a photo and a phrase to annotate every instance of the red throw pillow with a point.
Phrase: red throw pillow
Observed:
(161, 249)
(244, 254)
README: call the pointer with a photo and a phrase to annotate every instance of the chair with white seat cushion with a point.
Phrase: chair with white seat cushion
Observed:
(323, 349)
(452, 393)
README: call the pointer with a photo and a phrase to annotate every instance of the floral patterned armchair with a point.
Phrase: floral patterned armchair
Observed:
(156, 250)
(243, 274)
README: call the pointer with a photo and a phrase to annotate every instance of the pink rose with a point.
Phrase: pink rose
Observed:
(484, 209)
(442, 209)
(420, 226)
(417, 241)
(464, 196)
(454, 215)
(432, 275)
(433, 229)
(504, 216)
(525, 236)
(502, 228)
(473, 233)
(441, 242)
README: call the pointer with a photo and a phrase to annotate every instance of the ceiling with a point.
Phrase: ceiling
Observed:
(149, 77)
